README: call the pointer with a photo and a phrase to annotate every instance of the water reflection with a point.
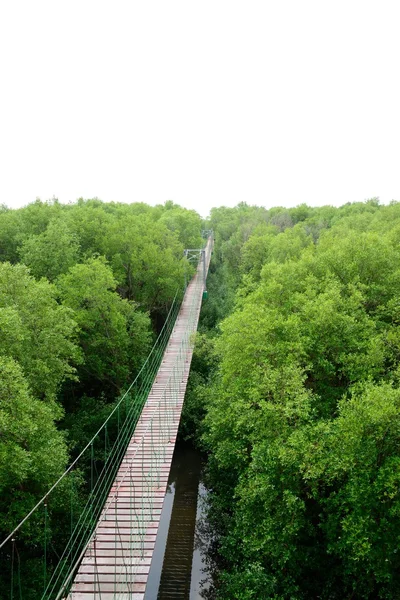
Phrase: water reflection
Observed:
(201, 579)
(180, 568)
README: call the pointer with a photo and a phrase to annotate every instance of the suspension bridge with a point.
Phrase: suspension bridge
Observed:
(111, 536)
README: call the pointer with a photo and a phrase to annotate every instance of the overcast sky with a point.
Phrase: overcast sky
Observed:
(202, 102)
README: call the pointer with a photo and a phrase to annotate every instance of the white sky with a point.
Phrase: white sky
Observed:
(205, 103)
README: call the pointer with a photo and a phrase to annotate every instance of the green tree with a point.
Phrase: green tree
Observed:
(52, 252)
(114, 335)
(36, 331)
(33, 453)
(147, 261)
(186, 224)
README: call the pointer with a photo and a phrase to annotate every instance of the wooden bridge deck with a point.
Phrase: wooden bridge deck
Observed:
(117, 560)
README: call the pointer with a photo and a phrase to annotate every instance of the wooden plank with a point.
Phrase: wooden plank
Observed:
(119, 568)
(104, 596)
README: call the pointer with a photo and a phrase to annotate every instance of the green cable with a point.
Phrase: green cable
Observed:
(12, 569)
(19, 573)
(45, 549)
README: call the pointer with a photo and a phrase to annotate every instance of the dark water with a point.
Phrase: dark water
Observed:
(178, 567)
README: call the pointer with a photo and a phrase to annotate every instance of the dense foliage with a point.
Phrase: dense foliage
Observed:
(295, 384)
(302, 418)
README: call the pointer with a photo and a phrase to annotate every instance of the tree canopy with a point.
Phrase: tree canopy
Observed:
(302, 413)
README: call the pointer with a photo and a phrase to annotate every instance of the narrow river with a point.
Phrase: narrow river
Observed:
(178, 568)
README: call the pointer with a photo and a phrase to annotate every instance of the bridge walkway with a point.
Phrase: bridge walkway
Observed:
(116, 562)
